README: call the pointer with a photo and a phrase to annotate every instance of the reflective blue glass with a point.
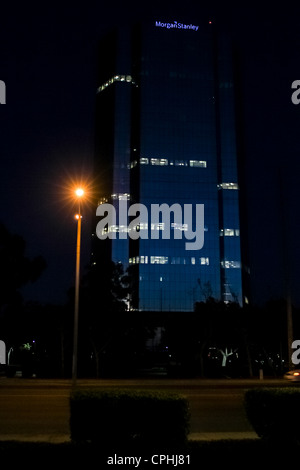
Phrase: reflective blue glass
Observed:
(166, 134)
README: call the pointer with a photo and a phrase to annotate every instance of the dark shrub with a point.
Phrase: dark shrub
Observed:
(113, 418)
(274, 413)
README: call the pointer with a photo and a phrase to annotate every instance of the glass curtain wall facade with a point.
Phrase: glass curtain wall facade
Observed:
(166, 135)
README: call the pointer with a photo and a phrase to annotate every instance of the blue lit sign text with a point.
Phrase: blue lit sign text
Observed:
(176, 25)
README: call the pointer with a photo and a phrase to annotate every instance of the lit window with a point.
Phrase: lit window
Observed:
(121, 196)
(138, 260)
(182, 227)
(198, 163)
(159, 259)
(159, 161)
(158, 226)
(116, 78)
(115, 229)
(103, 200)
(144, 161)
(228, 186)
(229, 232)
(230, 264)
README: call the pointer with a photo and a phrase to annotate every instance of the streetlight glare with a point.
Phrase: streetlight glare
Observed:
(79, 192)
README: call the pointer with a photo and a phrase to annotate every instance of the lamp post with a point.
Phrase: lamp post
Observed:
(79, 193)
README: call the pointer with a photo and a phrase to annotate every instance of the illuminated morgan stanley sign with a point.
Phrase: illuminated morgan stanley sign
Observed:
(176, 25)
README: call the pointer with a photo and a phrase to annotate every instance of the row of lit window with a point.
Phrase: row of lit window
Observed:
(115, 78)
(180, 260)
(168, 260)
(126, 196)
(143, 226)
(166, 162)
(227, 232)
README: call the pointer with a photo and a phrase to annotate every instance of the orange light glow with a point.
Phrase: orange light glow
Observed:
(70, 191)
(79, 192)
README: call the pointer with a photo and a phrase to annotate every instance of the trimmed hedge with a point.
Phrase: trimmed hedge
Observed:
(274, 413)
(120, 417)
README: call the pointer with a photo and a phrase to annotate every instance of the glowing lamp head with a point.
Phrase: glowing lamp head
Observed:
(79, 192)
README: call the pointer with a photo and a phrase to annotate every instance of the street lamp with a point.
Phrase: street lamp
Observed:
(79, 194)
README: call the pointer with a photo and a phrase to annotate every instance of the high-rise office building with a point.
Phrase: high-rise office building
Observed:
(166, 134)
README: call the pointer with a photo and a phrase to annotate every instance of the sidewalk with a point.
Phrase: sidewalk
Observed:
(52, 439)
(214, 436)
(61, 438)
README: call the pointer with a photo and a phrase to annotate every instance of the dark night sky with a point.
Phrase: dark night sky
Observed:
(48, 60)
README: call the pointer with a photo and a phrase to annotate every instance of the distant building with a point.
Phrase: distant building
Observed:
(166, 134)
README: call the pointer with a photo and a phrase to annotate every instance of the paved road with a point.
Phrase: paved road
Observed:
(33, 409)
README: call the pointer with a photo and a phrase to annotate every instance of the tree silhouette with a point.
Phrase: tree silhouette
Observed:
(103, 295)
(213, 326)
(16, 268)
